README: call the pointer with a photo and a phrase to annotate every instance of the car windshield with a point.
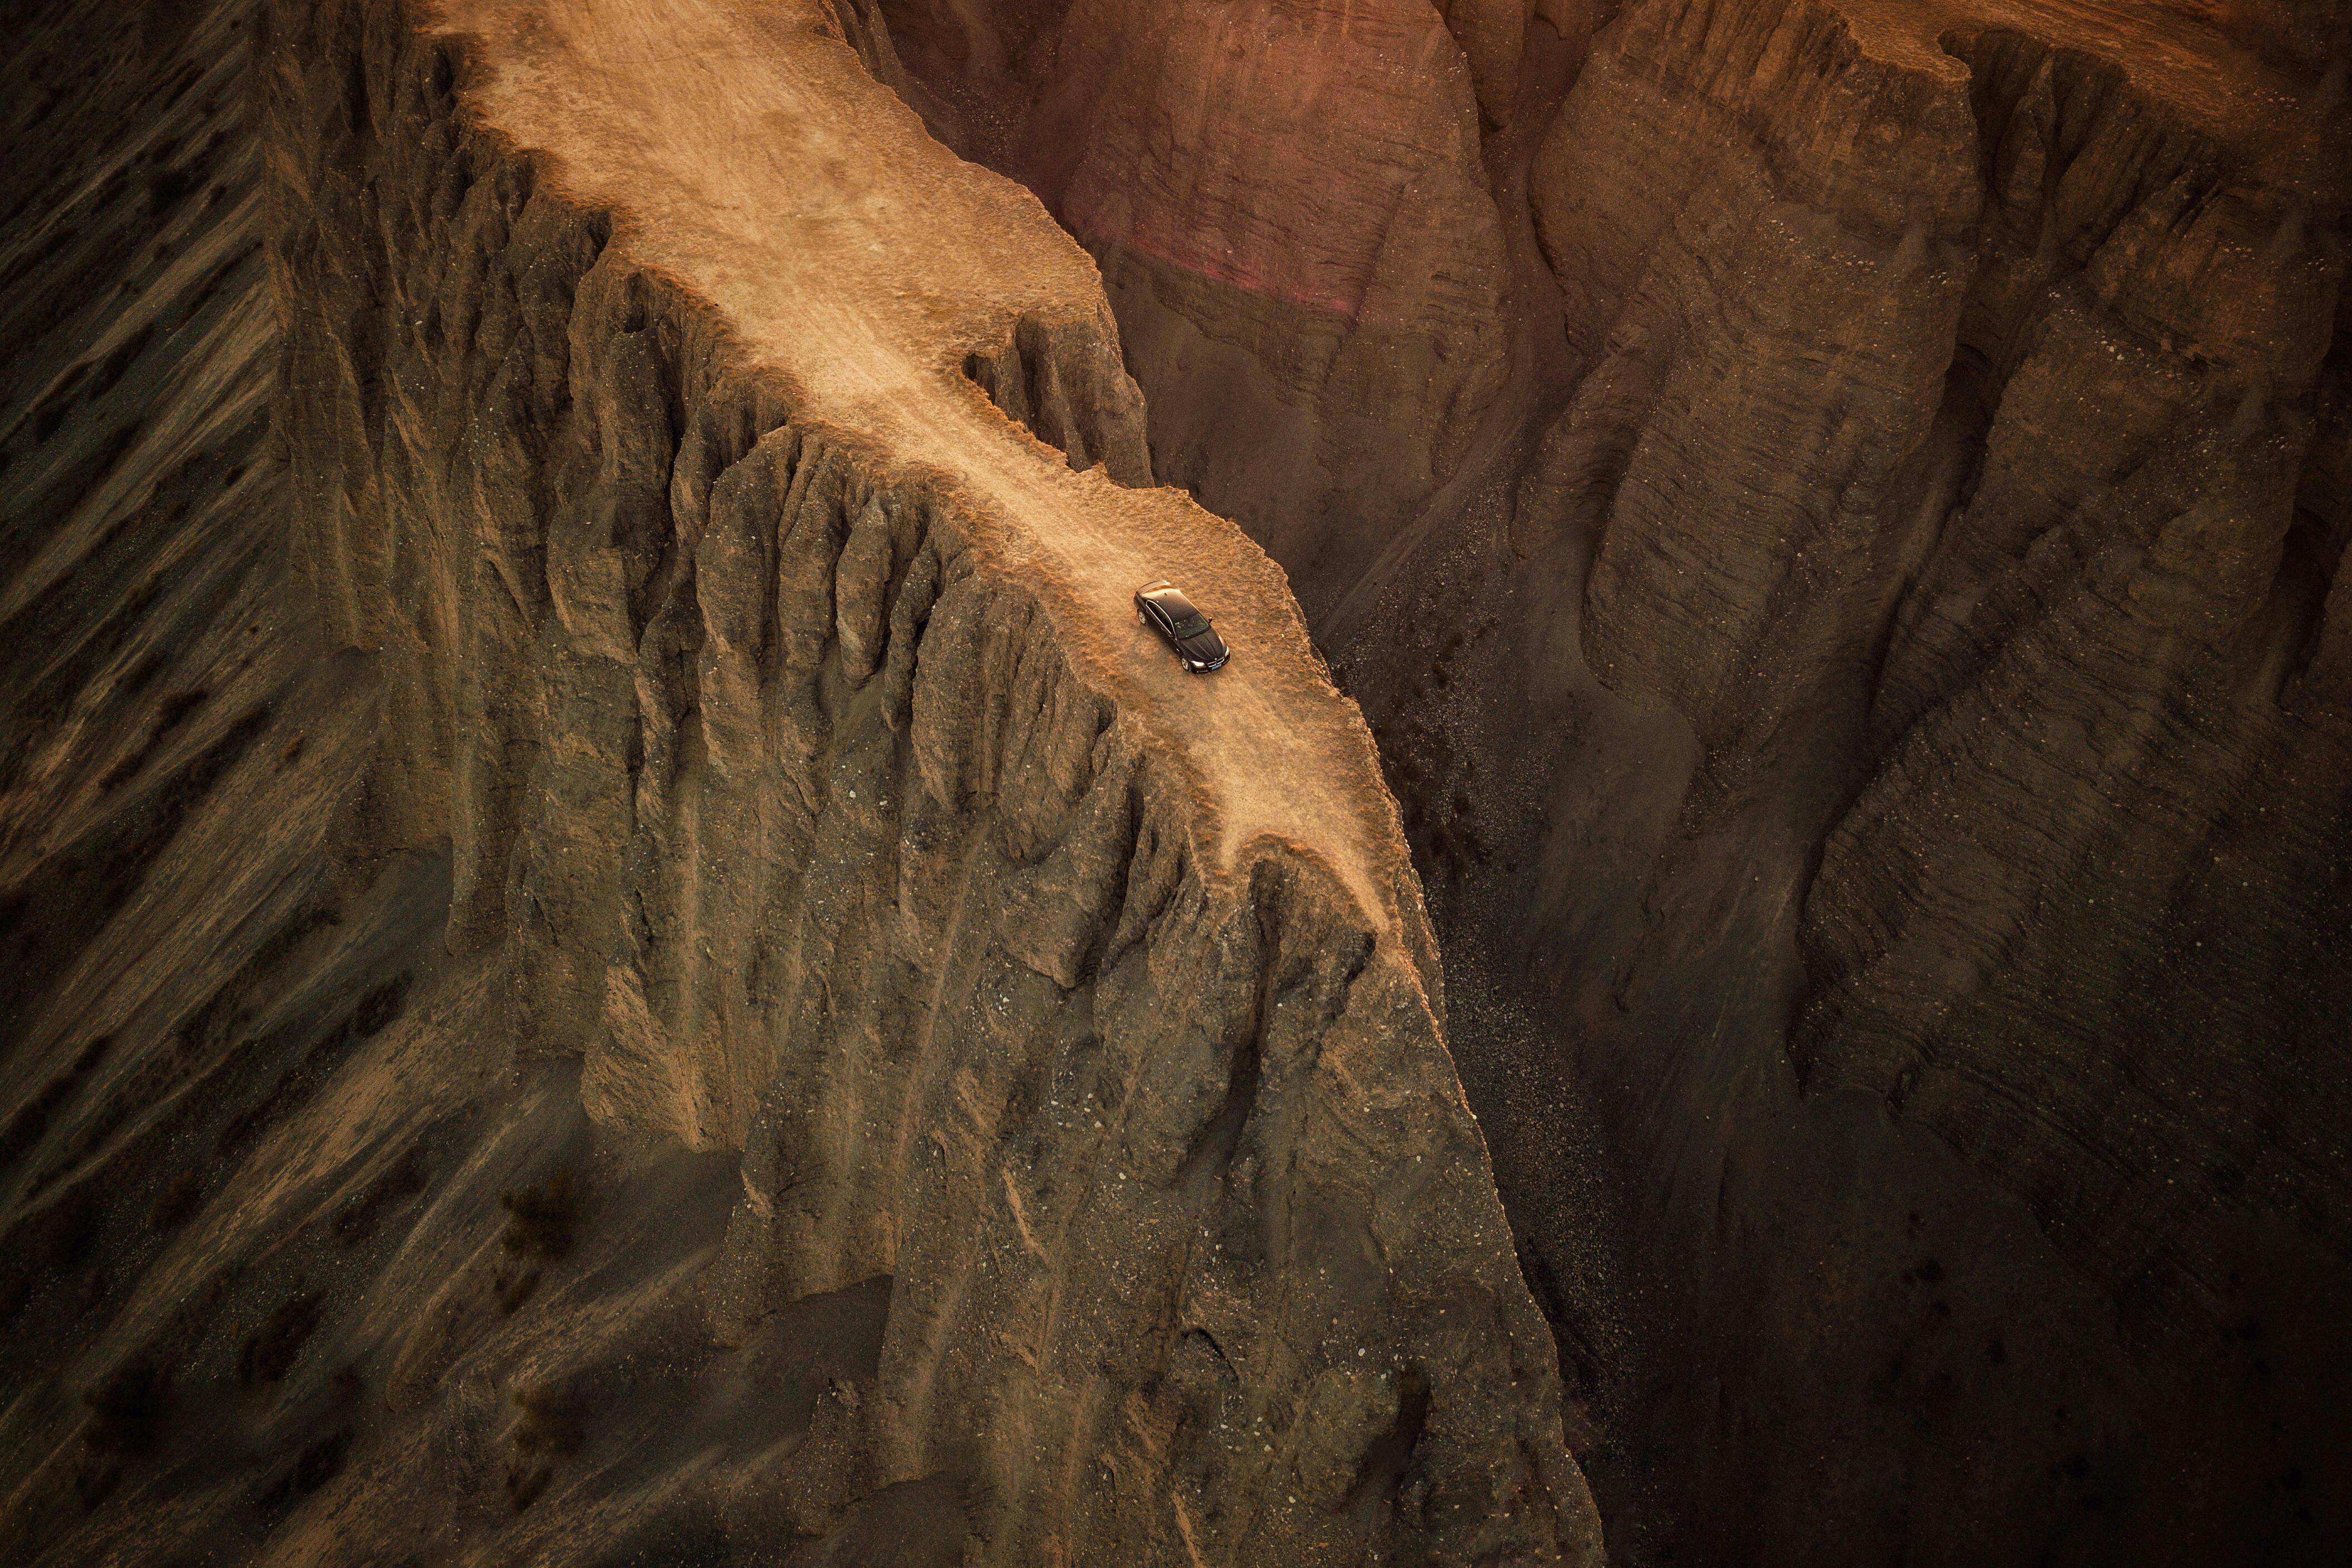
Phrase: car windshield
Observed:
(1192, 626)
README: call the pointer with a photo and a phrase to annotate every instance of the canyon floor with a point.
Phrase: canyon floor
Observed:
(615, 947)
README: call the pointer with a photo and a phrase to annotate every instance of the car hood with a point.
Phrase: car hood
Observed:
(1204, 648)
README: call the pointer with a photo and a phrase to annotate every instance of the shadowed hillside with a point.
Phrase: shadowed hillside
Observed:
(618, 948)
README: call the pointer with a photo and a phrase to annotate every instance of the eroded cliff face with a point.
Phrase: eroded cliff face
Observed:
(2109, 664)
(656, 973)
(2050, 517)
(1962, 501)
(1293, 223)
(684, 983)
(1866, 711)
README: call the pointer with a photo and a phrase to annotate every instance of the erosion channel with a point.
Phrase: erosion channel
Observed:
(1835, 512)
(615, 947)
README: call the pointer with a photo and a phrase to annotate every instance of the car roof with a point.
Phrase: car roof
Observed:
(1169, 597)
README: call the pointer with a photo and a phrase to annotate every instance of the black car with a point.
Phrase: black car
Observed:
(1163, 607)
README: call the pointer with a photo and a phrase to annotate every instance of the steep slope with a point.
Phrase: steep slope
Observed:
(685, 982)
(1293, 224)
(1950, 496)
(1865, 710)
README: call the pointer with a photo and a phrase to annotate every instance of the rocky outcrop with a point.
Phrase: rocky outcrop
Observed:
(1940, 471)
(2046, 514)
(1863, 710)
(674, 981)
(1293, 224)
(1717, 252)
(764, 1018)
(2102, 663)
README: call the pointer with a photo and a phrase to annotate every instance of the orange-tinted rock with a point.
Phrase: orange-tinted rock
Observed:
(674, 975)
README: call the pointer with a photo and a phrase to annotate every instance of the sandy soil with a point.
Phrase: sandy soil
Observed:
(761, 166)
